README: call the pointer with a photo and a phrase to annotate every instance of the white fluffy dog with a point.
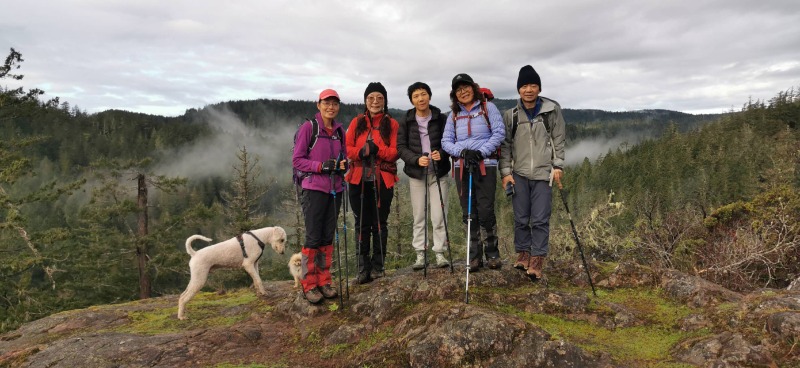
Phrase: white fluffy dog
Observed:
(295, 265)
(228, 254)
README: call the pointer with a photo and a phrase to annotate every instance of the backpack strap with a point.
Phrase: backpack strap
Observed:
(469, 116)
(515, 122)
(486, 115)
(314, 134)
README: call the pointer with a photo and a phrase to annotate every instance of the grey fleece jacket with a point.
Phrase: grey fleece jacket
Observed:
(530, 152)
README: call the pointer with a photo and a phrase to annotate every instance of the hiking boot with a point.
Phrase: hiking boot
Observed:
(313, 296)
(328, 291)
(535, 266)
(363, 278)
(420, 263)
(494, 263)
(375, 274)
(441, 261)
(475, 264)
(522, 260)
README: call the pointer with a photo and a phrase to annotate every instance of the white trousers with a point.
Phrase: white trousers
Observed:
(434, 209)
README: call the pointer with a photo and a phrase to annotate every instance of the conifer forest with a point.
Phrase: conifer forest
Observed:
(96, 207)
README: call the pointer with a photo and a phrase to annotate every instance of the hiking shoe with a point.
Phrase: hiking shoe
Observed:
(441, 261)
(420, 263)
(313, 296)
(375, 274)
(475, 264)
(522, 260)
(363, 278)
(494, 263)
(328, 291)
(535, 266)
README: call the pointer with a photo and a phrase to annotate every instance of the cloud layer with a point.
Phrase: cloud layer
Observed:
(165, 57)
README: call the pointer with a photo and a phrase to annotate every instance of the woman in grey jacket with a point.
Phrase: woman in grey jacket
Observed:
(531, 158)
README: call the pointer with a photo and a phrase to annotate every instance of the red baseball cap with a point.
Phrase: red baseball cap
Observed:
(328, 93)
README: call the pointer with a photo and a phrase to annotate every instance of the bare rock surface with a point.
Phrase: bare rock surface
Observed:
(405, 320)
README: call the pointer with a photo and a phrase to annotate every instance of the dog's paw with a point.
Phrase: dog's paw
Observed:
(182, 318)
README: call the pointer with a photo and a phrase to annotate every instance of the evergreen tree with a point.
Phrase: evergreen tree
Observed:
(241, 202)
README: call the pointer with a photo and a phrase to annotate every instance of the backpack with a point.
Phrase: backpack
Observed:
(298, 175)
(515, 122)
(485, 113)
(545, 122)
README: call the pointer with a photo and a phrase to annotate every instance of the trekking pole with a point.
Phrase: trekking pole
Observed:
(425, 246)
(345, 195)
(444, 217)
(469, 227)
(336, 229)
(376, 184)
(360, 224)
(345, 199)
(577, 241)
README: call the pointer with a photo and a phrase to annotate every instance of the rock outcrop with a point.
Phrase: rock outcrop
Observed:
(639, 318)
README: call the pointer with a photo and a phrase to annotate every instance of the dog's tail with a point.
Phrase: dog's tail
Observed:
(190, 240)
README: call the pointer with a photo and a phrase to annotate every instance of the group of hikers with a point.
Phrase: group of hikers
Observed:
(525, 144)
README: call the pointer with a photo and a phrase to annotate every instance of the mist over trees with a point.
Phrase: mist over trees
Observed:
(712, 195)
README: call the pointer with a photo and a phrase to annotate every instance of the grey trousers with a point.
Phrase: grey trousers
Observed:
(434, 211)
(532, 202)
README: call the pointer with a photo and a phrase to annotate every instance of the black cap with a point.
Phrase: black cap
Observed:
(462, 78)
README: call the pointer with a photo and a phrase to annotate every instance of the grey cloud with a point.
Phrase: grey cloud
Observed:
(164, 57)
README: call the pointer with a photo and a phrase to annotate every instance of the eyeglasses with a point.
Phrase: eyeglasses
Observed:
(463, 89)
(375, 99)
(330, 103)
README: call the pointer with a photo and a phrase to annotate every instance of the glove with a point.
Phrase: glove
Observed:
(474, 157)
(328, 166)
(369, 149)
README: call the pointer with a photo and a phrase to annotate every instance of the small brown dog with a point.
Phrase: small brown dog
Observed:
(295, 265)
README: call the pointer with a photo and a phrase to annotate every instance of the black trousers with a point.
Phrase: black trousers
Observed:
(371, 224)
(320, 213)
(484, 222)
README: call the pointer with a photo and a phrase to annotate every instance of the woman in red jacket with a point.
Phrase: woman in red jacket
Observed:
(371, 143)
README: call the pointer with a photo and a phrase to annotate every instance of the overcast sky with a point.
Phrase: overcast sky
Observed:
(163, 57)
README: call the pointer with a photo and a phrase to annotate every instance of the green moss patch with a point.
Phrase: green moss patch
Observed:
(372, 340)
(648, 304)
(204, 310)
(640, 345)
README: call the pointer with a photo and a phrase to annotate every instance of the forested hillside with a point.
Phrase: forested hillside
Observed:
(75, 230)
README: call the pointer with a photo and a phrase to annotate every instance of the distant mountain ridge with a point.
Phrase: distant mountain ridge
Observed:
(292, 109)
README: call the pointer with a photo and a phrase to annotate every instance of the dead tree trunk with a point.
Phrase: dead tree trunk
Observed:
(141, 247)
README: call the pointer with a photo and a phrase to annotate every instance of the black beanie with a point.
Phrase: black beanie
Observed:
(377, 87)
(527, 75)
